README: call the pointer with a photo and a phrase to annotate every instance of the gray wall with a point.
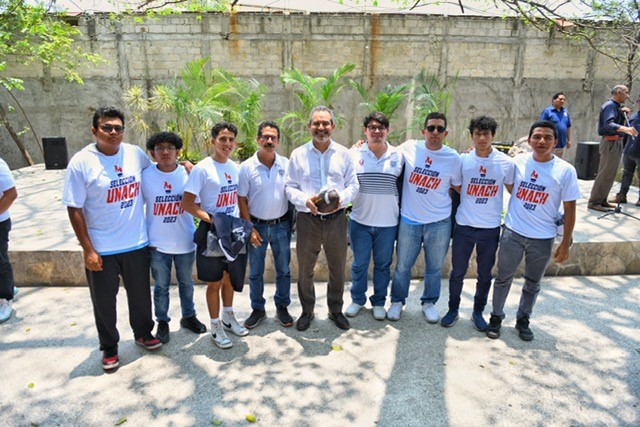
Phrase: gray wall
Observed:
(503, 68)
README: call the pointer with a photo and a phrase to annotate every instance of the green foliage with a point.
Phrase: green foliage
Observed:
(429, 95)
(192, 104)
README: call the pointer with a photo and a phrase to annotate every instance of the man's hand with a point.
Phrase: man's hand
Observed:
(256, 238)
(92, 261)
(562, 252)
(628, 130)
(358, 144)
(568, 144)
(626, 110)
(312, 206)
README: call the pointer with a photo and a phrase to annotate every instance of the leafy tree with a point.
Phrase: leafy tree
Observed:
(387, 101)
(30, 35)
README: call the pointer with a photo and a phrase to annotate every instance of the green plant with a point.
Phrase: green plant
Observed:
(429, 94)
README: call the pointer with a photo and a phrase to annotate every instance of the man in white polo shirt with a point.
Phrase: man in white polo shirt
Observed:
(170, 231)
(262, 200)
(373, 224)
(431, 169)
(8, 195)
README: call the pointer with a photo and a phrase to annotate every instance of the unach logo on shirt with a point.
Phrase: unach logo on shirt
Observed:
(167, 187)
(123, 189)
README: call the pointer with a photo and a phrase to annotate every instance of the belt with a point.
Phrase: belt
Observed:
(611, 137)
(326, 217)
(268, 221)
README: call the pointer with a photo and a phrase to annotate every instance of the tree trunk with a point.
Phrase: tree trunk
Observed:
(14, 136)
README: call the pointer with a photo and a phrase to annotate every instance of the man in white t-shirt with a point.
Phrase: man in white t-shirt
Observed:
(214, 180)
(8, 195)
(170, 231)
(106, 210)
(485, 171)
(543, 182)
(262, 201)
(373, 224)
(431, 169)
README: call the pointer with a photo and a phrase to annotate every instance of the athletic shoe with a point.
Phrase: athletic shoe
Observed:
(522, 325)
(395, 311)
(478, 321)
(353, 310)
(162, 332)
(231, 324)
(449, 319)
(5, 310)
(257, 316)
(379, 313)
(493, 328)
(110, 360)
(149, 342)
(283, 316)
(193, 324)
(219, 336)
(430, 312)
(15, 291)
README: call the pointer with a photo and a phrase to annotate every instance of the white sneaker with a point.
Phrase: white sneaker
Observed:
(395, 311)
(353, 310)
(5, 310)
(379, 313)
(430, 312)
(231, 324)
(219, 337)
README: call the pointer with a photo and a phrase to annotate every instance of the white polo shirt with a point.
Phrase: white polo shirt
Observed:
(264, 187)
(6, 183)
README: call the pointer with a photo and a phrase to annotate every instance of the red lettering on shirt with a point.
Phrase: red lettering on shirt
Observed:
(532, 196)
(125, 192)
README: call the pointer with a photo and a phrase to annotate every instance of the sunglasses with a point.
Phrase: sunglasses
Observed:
(440, 129)
(110, 128)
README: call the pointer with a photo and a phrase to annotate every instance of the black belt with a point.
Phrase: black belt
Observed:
(326, 217)
(269, 221)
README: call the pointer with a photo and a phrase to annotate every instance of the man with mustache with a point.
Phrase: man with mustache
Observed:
(262, 200)
(321, 164)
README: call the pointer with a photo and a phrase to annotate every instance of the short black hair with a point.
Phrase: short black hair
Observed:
(544, 124)
(435, 116)
(160, 137)
(107, 112)
(218, 127)
(557, 95)
(268, 124)
(378, 117)
(483, 123)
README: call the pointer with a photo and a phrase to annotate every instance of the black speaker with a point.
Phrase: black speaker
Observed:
(55, 152)
(587, 159)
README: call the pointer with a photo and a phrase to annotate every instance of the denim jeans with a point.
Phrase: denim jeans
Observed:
(485, 241)
(434, 237)
(364, 240)
(279, 237)
(6, 271)
(161, 272)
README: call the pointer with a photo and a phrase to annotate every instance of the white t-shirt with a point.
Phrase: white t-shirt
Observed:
(538, 191)
(481, 195)
(216, 184)
(170, 227)
(6, 183)
(264, 187)
(376, 204)
(428, 176)
(107, 188)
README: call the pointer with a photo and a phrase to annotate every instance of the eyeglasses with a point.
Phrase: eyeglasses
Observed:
(440, 129)
(268, 138)
(110, 128)
(321, 123)
(159, 149)
(372, 128)
(547, 138)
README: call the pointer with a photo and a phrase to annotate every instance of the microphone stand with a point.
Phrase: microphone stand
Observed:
(618, 209)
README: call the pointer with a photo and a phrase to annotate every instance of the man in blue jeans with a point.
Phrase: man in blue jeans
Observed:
(485, 171)
(8, 195)
(431, 169)
(262, 200)
(170, 231)
(542, 183)
(373, 224)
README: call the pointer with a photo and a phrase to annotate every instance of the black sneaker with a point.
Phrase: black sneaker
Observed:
(340, 320)
(257, 316)
(162, 333)
(193, 324)
(283, 316)
(110, 360)
(493, 328)
(522, 325)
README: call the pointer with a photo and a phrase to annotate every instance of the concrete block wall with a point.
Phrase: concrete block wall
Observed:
(503, 68)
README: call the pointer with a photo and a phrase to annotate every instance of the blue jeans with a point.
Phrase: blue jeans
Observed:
(365, 239)
(279, 237)
(6, 271)
(485, 241)
(434, 237)
(161, 272)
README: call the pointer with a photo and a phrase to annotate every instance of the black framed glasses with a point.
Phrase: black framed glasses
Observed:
(160, 149)
(268, 138)
(111, 128)
(373, 128)
(431, 128)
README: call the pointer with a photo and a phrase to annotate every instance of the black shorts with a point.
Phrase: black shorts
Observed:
(210, 269)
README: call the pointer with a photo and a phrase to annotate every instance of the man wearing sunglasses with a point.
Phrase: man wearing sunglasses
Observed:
(103, 198)
(262, 200)
(431, 169)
